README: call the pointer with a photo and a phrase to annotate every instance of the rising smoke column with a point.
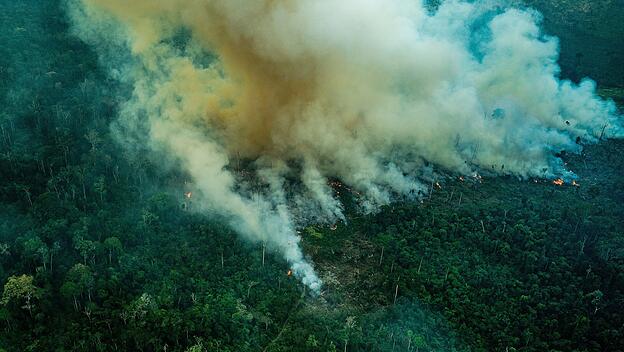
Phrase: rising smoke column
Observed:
(366, 91)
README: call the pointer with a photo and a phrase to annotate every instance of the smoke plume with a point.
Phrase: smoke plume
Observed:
(365, 91)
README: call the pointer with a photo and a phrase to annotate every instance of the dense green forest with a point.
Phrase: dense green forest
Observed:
(99, 251)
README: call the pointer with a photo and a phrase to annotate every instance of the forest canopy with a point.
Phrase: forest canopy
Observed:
(165, 187)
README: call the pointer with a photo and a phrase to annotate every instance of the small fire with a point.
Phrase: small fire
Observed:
(188, 194)
(289, 273)
(558, 182)
(337, 186)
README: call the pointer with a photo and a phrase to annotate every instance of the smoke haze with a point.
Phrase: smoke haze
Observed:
(365, 91)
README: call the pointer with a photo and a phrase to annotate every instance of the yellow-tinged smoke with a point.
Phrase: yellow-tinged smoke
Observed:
(365, 91)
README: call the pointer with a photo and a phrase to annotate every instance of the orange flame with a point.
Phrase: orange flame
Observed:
(558, 182)
(289, 273)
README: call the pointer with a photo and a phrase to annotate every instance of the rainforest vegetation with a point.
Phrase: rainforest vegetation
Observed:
(101, 251)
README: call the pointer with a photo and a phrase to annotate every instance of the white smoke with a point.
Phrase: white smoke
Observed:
(365, 91)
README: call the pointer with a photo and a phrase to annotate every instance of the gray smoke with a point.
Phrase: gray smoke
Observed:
(365, 91)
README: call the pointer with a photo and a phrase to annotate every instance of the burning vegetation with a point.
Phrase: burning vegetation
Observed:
(337, 186)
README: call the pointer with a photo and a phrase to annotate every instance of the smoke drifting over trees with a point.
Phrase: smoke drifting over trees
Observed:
(368, 92)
